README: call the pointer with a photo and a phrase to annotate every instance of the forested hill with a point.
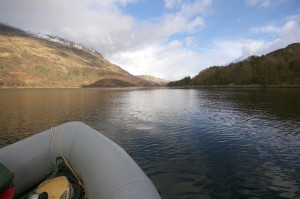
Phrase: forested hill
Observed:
(281, 67)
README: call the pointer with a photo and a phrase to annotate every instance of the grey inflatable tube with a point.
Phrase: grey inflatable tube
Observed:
(106, 170)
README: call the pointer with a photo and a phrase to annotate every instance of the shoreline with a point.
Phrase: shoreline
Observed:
(83, 87)
(189, 87)
(239, 86)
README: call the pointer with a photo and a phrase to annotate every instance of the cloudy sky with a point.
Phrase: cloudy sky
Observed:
(169, 39)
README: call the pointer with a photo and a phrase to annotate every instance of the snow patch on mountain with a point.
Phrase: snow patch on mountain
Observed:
(65, 42)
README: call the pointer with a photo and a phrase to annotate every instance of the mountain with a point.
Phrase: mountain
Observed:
(281, 67)
(28, 60)
(152, 81)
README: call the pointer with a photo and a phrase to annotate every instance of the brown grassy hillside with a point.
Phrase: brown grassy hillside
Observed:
(29, 61)
(153, 81)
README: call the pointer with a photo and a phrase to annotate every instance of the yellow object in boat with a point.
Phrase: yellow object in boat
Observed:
(56, 188)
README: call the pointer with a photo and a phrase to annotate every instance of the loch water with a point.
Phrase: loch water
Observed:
(192, 143)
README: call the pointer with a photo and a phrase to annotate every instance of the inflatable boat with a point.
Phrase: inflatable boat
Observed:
(105, 169)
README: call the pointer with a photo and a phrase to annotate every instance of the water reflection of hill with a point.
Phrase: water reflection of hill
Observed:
(28, 111)
(279, 103)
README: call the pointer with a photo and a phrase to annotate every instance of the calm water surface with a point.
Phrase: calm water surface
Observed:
(192, 143)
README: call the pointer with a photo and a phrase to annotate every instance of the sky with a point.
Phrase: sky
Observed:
(169, 39)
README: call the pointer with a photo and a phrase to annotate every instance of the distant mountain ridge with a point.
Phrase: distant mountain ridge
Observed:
(280, 67)
(153, 81)
(9, 30)
(29, 60)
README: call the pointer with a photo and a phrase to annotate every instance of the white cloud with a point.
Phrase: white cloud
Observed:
(264, 3)
(286, 34)
(169, 61)
(184, 16)
(293, 17)
(195, 8)
(170, 4)
(253, 47)
(290, 31)
(174, 61)
(190, 42)
(261, 3)
(265, 29)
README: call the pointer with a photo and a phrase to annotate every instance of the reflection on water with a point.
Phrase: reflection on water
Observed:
(192, 143)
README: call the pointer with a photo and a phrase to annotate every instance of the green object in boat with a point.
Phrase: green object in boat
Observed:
(6, 177)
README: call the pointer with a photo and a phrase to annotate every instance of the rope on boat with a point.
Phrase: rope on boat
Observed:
(62, 155)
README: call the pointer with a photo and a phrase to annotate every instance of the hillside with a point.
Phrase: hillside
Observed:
(152, 81)
(28, 60)
(281, 67)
